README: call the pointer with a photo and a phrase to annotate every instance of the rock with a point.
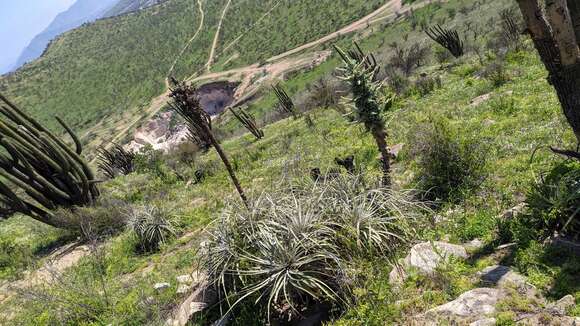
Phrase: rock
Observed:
(506, 246)
(395, 150)
(564, 243)
(488, 122)
(484, 322)
(200, 298)
(397, 275)
(561, 306)
(547, 319)
(184, 279)
(475, 303)
(183, 288)
(480, 99)
(474, 244)
(161, 286)
(425, 257)
(503, 276)
(514, 211)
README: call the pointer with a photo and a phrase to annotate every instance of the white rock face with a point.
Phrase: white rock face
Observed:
(427, 256)
(161, 286)
(159, 134)
(559, 308)
(184, 279)
(475, 303)
(484, 322)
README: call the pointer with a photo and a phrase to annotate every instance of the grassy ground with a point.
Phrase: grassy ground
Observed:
(521, 115)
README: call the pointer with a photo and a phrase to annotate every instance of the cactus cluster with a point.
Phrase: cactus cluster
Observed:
(248, 121)
(115, 161)
(447, 38)
(38, 171)
(285, 101)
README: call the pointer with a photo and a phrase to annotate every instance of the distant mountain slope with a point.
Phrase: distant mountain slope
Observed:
(96, 73)
(126, 6)
(80, 12)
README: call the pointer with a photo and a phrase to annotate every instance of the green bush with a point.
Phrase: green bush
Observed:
(554, 202)
(14, 257)
(448, 164)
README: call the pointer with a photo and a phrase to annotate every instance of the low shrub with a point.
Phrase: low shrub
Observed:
(554, 202)
(104, 218)
(425, 84)
(291, 249)
(14, 257)
(448, 164)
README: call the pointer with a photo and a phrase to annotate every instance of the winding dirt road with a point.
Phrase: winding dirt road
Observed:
(199, 28)
(216, 37)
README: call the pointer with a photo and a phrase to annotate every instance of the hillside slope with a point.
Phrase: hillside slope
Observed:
(102, 69)
(127, 6)
(500, 110)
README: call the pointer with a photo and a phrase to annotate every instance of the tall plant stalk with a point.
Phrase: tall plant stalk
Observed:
(186, 103)
(359, 71)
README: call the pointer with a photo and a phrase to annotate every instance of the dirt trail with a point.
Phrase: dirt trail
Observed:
(61, 259)
(353, 27)
(201, 21)
(216, 37)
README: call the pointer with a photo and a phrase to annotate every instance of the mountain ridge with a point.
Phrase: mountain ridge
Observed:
(81, 12)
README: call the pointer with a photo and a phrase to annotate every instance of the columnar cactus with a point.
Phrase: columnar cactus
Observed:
(248, 121)
(447, 38)
(38, 171)
(359, 71)
(115, 161)
(285, 101)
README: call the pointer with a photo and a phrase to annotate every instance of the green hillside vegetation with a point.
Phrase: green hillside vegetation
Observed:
(128, 57)
(475, 133)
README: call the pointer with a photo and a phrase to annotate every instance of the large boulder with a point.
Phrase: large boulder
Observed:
(425, 258)
(475, 304)
(503, 277)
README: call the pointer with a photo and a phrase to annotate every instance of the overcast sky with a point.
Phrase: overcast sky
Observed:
(22, 20)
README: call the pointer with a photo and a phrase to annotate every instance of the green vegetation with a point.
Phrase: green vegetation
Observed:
(448, 165)
(513, 110)
(117, 65)
(294, 248)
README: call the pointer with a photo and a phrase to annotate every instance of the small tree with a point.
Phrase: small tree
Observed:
(38, 171)
(555, 32)
(186, 103)
(359, 71)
